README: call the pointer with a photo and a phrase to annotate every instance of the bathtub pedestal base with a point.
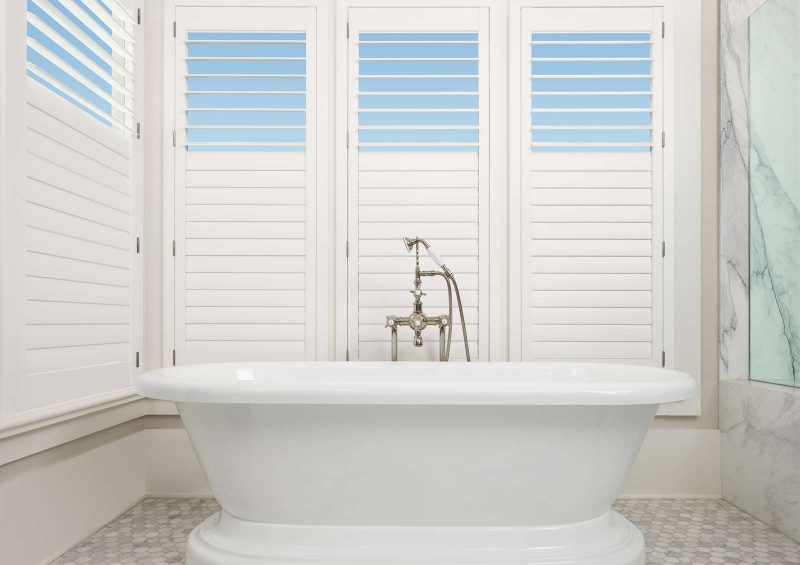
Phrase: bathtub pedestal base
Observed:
(224, 540)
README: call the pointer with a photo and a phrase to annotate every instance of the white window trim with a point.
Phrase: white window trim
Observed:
(324, 186)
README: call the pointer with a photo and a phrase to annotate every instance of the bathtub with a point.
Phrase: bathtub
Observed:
(412, 463)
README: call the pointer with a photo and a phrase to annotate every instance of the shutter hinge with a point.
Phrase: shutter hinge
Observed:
(174, 138)
(347, 249)
(173, 248)
(663, 139)
(663, 358)
(137, 359)
(663, 248)
(347, 139)
(173, 357)
(138, 245)
(138, 130)
(175, 29)
(347, 355)
(347, 27)
(139, 16)
(663, 29)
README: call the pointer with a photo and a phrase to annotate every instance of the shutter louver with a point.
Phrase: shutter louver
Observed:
(82, 50)
(245, 185)
(592, 210)
(417, 167)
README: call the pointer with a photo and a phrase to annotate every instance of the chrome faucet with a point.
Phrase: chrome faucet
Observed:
(418, 320)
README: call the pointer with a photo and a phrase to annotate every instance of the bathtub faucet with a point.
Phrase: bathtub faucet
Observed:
(418, 320)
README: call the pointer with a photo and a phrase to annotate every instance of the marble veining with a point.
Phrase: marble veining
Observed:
(734, 200)
(774, 43)
(760, 426)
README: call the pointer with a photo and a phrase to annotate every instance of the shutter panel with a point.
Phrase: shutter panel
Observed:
(81, 272)
(591, 196)
(245, 184)
(417, 166)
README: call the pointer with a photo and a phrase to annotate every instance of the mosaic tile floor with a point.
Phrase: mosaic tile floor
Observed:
(677, 531)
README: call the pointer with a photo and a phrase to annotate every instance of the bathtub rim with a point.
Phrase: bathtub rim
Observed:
(423, 383)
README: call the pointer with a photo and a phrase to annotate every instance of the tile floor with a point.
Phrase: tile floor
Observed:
(677, 531)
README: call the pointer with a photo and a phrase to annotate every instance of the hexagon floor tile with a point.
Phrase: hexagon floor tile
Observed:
(678, 531)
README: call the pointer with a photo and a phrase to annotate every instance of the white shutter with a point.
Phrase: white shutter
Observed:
(245, 183)
(590, 204)
(82, 275)
(418, 99)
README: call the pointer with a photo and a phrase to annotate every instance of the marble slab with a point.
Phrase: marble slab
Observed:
(734, 187)
(774, 128)
(760, 426)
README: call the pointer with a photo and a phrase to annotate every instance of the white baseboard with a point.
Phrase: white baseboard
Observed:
(172, 467)
(673, 463)
(677, 463)
(47, 510)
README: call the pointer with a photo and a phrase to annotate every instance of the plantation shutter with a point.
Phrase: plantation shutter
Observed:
(245, 184)
(591, 201)
(418, 98)
(82, 274)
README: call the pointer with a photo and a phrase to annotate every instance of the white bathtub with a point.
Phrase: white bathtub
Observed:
(412, 463)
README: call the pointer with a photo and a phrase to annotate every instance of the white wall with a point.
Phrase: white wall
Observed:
(51, 501)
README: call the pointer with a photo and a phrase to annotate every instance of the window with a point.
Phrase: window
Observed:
(418, 164)
(590, 203)
(245, 217)
(82, 275)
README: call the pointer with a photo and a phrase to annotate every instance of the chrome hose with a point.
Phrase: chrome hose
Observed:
(461, 313)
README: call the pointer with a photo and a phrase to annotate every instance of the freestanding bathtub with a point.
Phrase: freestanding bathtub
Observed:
(412, 463)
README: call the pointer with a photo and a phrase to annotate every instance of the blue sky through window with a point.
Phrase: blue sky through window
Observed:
(55, 52)
(591, 92)
(418, 92)
(249, 93)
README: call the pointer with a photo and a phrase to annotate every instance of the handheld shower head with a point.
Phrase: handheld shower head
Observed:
(410, 242)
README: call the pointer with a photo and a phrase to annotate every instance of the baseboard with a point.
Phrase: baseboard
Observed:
(59, 552)
(669, 497)
(48, 510)
(677, 463)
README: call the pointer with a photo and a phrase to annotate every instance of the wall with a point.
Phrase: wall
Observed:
(760, 423)
(54, 499)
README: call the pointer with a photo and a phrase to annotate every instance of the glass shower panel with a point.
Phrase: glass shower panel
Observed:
(775, 193)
